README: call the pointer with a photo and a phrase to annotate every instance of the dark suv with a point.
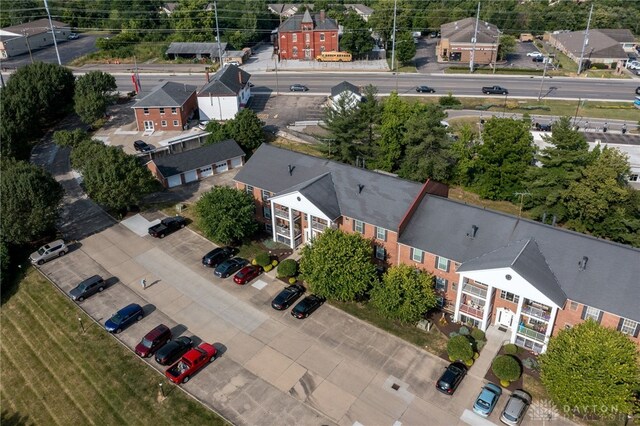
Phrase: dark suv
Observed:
(88, 287)
(153, 341)
(124, 318)
(142, 146)
(217, 256)
(451, 378)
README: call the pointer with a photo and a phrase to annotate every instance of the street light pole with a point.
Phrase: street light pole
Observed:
(585, 42)
(495, 63)
(544, 72)
(215, 12)
(53, 33)
(393, 41)
(474, 40)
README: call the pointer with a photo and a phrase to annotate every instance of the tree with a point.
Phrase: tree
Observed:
(598, 359)
(29, 199)
(246, 129)
(369, 111)
(405, 47)
(459, 348)
(506, 368)
(288, 268)
(389, 148)
(404, 293)
(218, 132)
(356, 38)
(507, 46)
(346, 127)
(503, 158)
(338, 265)
(94, 93)
(226, 215)
(70, 138)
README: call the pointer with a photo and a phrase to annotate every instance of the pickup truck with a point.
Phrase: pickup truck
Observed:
(494, 90)
(191, 362)
(167, 226)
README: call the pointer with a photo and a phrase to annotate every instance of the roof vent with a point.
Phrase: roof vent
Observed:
(474, 231)
(360, 188)
(291, 169)
(582, 265)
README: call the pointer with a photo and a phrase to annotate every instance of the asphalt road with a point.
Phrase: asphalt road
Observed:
(459, 85)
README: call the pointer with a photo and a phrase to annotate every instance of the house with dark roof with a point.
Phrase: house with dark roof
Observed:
(347, 91)
(19, 39)
(456, 42)
(363, 11)
(305, 36)
(604, 46)
(490, 269)
(197, 164)
(169, 106)
(188, 50)
(225, 94)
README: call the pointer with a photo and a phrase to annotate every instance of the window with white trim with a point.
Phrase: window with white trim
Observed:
(265, 195)
(509, 296)
(380, 252)
(628, 327)
(163, 123)
(145, 111)
(442, 263)
(174, 110)
(381, 233)
(294, 37)
(592, 313)
(358, 226)
(633, 177)
(248, 189)
(573, 306)
(441, 284)
(175, 123)
(266, 212)
(417, 255)
(161, 110)
(321, 36)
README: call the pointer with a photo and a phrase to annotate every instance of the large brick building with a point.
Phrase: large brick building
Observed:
(456, 42)
(168, 107)
(306, 36)
(490, 268)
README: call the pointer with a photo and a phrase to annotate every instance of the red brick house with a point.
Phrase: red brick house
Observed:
(491, 269)
(306, 36)
(168, 107)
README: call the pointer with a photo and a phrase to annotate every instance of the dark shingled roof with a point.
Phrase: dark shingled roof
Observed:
(295, 23)
(38, 26)
(228, 81)
(462, 31)
(382, 201)
(193, 48)
(169, 94)
(609, 282)
(601, 44)
(343, 87)
(175, 164)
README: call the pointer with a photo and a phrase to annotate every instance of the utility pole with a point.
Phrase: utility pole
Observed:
(53, 33)
(474, 40)
(215, 11)
(26, 37)
(586, 41)
(495, 63)
(544, 72)
(393, 41)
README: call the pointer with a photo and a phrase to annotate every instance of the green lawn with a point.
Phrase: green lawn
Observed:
(52, 373)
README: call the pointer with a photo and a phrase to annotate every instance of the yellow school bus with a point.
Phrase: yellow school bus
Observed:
(334, 57)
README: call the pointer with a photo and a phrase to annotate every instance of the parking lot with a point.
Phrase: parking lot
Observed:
(68, 49)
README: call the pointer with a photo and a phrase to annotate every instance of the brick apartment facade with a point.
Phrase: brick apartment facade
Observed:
(306, 36)
(167, 107)
(490, 268)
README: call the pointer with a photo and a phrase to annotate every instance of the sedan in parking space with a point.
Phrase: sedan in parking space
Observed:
(174, 349)
(451, 378)
(298, 88)
(487, 399)
(425, 89)
(516, 408)
(534, 54)
(306, 306)
(167, 226)
(142, 146)
(124, 318)
(217, 256)
(246, 274)
(230, 266)
(286, 297)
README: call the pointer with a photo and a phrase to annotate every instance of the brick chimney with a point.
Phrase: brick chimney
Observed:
(322, 15)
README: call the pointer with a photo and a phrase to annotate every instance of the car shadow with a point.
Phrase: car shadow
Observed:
(178, 330)
(111, 281)
(221, 349)
(148, 309)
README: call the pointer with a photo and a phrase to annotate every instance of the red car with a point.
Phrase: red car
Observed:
(153, 341)
(247, 273)
(191, 362)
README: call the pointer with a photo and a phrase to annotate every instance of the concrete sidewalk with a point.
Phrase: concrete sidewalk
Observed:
(495, 340)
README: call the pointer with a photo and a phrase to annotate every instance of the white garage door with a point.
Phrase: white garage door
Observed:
(174, 181)
(221, 167)
(236, 162)
(191, 176)
(206, 172)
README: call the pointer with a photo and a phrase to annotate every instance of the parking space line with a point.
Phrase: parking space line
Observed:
(471, 418)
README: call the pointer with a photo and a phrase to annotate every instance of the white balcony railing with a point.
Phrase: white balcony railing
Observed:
(474, 290)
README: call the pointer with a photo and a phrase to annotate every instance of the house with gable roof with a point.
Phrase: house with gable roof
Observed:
(350, 93)
(605, 46)
(456, 42)
(226, 93)
(491, 269)
(169, 106)
(304, 36)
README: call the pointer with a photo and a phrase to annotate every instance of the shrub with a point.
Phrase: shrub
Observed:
(267, 268)
(288, 268)
(531, 364)
(478, 334)
(453, 334)
(510, 349)
(292, 280)
(464, 331)
(449, 101)
(506, 368)
(459, 348)
(274, 262)
(476, 355)
(263, 259)
(468, 362)
(480, 344)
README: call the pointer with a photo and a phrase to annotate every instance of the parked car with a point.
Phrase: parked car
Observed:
(542, 127)
(217, 256)
(535, 54)
(124, 318)
(174, 349)
(298, 88)
(306, 306)
(167, 226)
(72, 36)
(88, 287)
(49, 251)
(230, 266)
(142, 146)
(191, 362)
(638, 90)
(153, 341)
(633, 65)
(286, 297)
(516, 408)
(425, 89)
(246, 274)
(451, 378)
(487, 400)
(538, 59)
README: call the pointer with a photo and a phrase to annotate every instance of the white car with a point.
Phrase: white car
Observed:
(633, 65)
(534, 54)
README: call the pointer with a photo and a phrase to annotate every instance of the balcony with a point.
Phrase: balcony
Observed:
(537, 312)
(282, 213)
(282, 230)
(475, 290)
(318, 226)
(474, 312)
(531, 334)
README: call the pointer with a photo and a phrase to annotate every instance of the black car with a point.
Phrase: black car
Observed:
(217, 256)
(230, 267)
(88, 287)
(306, 306)
(537, 59)
(286, 297)
(542, 127)
(425, 89)
(167, 226)
(141, 146)
(298, 88)
(451, 378)
(174, 349)
(638, 90)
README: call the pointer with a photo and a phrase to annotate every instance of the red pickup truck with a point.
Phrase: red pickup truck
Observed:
(191, 362)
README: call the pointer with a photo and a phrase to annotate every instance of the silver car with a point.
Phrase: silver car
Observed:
(516, 408)
(48, 252)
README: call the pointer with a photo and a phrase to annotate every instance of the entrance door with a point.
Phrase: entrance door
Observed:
(148, 125)
(505, 317)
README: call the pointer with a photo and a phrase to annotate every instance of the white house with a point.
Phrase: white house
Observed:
(348, 91)
(226, 93)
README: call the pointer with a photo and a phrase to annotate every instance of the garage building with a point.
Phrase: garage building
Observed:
(197, 164)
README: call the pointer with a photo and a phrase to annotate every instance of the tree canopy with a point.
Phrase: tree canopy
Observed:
(93, 94)
(226, 215)
(356, 38)
(245, 128)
